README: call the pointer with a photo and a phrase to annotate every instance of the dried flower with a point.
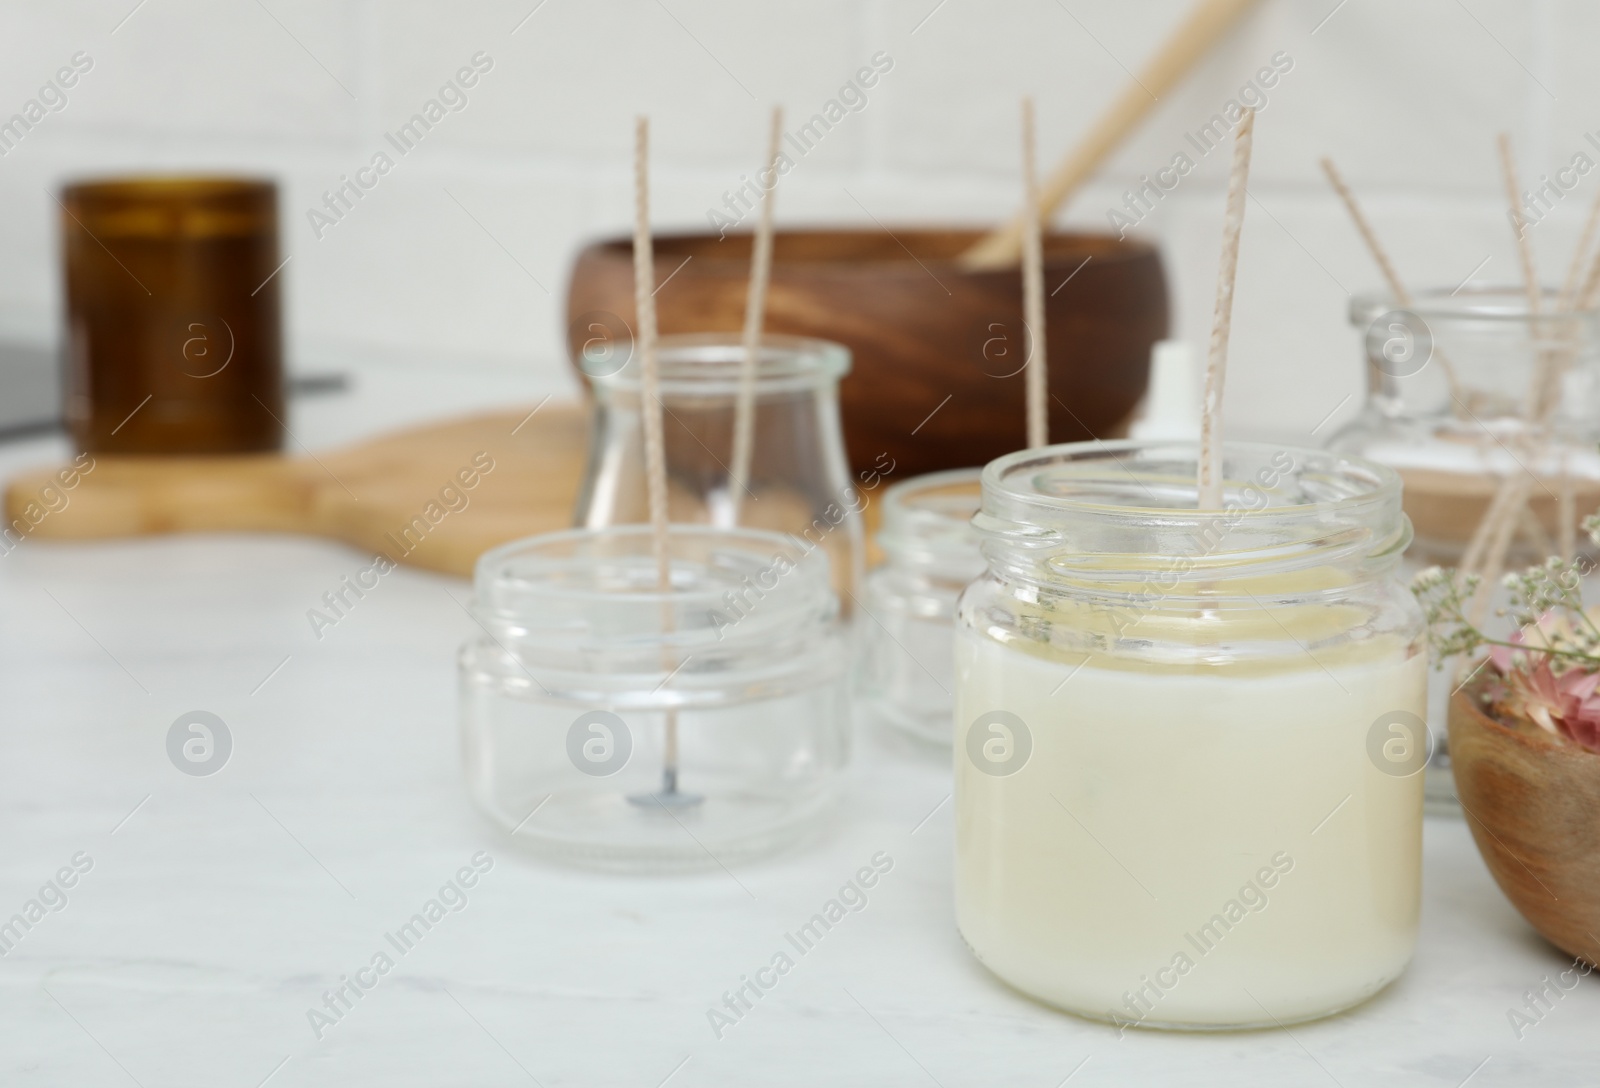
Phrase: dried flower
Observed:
(1561, 703)
(1547, 673)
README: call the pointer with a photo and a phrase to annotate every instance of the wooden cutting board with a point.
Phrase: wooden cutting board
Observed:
(436, 496)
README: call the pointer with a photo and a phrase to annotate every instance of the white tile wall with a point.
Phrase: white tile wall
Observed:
(1407, 98)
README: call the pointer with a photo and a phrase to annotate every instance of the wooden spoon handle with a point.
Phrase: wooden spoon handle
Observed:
(1192, 40)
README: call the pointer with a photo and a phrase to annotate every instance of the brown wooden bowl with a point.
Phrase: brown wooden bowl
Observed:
(938, 350)
(1533, 803)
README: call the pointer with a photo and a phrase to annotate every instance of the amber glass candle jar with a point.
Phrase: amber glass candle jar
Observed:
(172, 308)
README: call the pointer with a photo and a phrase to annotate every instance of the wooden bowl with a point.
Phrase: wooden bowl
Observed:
(938, 351)
(1533, 803)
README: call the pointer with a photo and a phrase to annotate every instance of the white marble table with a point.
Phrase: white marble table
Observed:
(218, 909)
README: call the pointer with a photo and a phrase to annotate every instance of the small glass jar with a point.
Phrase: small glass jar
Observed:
(930, 554)
(610, 724)
(1186, 767)
(1453, 443)
(799, 478)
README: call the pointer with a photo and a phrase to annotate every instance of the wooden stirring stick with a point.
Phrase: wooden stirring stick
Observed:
(755, 307)
(1038, 366)
(1189, 41)
(1208, 472)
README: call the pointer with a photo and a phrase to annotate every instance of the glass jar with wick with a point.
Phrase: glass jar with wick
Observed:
(610, 724)
(1187, 788)
(799, 477)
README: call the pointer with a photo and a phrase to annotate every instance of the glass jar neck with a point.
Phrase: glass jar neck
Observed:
(701, 365)
(1117, 523)
(1480, 356)
(927, 525)
(585, 595)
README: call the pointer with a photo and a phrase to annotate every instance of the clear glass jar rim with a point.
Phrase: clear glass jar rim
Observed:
(1493, 302)
(1379, 484)
(491, 566)
(712, 363)
(1129, 511)
(187, 188)
(912, 527)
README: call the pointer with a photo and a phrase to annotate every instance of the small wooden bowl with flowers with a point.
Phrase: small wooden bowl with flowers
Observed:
(1525, 740)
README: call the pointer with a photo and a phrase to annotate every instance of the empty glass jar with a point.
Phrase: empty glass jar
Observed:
(930, 554)
(799, 480)
(610, 724)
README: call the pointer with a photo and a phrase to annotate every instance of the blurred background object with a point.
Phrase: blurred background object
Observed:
(30, 391)
(172, 325)
(1454, 448)
(939, 349)
(455, 260)
(1172, 400)
(413, 495)
(799, 480)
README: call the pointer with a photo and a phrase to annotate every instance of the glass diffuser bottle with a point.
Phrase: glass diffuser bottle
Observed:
(1450, 383)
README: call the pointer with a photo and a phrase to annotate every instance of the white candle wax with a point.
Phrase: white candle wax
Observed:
(1189, 846)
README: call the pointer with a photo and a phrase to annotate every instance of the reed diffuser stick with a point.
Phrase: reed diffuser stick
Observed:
(755, 307)
(1571, 289)
(655, 455)
(1208, 473)
(1397, 287)
(1486, 551)
(1590, 293)
(1530, 275)
(1038, 366)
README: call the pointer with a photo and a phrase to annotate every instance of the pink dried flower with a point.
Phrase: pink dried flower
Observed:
(1565, 703)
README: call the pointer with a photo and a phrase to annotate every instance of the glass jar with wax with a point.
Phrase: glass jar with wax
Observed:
(1188, 742)
(611, 724)
(930, 555)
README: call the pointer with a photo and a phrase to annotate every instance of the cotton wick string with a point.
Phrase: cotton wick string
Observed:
(655, 456)
(1208, 472)
(755, 307)
(1037, 372)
